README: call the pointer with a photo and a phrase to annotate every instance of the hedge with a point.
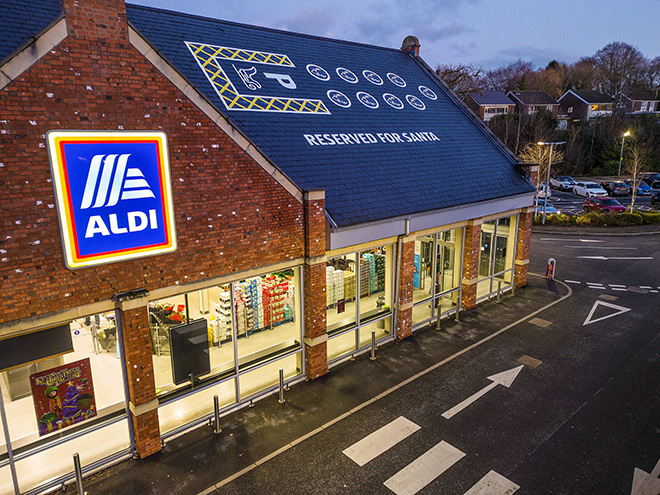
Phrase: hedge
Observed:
(602, 219)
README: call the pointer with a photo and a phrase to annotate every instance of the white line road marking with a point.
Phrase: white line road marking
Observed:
(654, 291)
(493, 484)
(424, 469)
(505, 378)
(381, 440)
(645, 287)
(619, 289)
(617, 285)
(589, 240)
(572, 282)
(620, 310)
(602, 247)
(615, 258)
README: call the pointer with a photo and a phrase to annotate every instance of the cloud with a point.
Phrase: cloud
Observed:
(318, 21)
(430, 33)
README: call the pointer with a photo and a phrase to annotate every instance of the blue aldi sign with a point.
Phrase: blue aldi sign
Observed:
(114, 195)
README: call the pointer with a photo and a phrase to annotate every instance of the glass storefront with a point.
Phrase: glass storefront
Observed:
(437, 276)
(73, 402)
(236, 327)
(496, 257)
(359, 295)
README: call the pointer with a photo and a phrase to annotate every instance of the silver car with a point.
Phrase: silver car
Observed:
(589, 189)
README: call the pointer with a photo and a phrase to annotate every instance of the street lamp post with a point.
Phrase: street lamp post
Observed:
(623, 138)
(547, 179)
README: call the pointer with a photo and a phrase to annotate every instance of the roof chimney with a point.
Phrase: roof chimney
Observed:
(411, 44)
(96, 19)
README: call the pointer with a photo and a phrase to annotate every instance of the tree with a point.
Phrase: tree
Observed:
(637, 161)
(620, 66)
(508, 77)
(582, 74)
(537, 154)
(462, 79)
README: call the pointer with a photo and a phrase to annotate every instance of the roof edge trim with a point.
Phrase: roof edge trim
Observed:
(200, 101)
(31, 52)
(367, 232)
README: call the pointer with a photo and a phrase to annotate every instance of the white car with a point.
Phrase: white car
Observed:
(562, 182)
(589, 189)
(541, 192)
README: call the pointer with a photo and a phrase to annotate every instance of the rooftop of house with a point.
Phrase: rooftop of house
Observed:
(593, 97)
(491, 98)
(533, 97)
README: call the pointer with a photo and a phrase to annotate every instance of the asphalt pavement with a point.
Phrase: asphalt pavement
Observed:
(201, 462)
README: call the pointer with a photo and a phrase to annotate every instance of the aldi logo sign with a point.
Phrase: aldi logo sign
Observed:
(114, 195)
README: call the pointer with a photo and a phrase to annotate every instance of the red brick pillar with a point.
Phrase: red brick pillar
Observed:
(316, 330)
(143, 403)
(406, 274)
(471, 264)
(522, 248)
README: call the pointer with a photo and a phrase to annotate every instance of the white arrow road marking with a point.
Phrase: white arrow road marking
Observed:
(620, 310)
(504, 378)
(645, 483)
(493, 484)
(424, 469)
(381, 440)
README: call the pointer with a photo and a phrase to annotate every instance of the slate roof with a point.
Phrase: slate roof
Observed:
(639, 95)
(21, 20)
(371, 102)
(534, 97)
(371, 126)
(593, 96)
(491, 98)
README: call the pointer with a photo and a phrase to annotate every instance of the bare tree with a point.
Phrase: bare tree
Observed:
(621, 66)
(539, 155)
(638, 156)
(508, 77)
(462, 79)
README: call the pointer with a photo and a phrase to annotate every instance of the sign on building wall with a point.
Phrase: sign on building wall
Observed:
(63, 395)
(114, 195)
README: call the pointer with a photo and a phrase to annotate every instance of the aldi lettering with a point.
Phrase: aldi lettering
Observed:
(114, 195)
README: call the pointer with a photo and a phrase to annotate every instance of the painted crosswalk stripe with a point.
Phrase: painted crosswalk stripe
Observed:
(619, 289)
(617, 285)
(493, 484)
(571, 281)
(380, 440)
(424, 469)
(645, 287)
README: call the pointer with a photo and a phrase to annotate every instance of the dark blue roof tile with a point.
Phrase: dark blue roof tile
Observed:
(22, 19)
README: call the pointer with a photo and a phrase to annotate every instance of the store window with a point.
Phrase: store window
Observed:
(233, 333)
(358, 284)
(437, 277)
(64, 403)
(497, 252)
(260, 317)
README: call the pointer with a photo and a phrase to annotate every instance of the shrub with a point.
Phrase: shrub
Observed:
(650, 216)
(631, 218)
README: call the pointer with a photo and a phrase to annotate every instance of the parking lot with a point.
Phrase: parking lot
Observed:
(571, 204)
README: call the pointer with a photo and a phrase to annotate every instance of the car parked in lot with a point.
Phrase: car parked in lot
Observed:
(651, 178)
(603, 205)
(616, 188)
(655, 200)
(562, 182)
(643, 189)
(541, 192)
(589, 189)
(549, 209)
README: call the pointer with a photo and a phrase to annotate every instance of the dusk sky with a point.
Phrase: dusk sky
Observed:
(485, 33)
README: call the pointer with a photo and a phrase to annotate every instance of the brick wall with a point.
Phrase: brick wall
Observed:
(471, 265)
(522, 250)
(230, 214)
(316, 358)
(404, 318)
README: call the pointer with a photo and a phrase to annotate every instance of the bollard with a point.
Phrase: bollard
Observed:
(281, 399)
(499, 290)
(437, 322)
(550, 269)
(79, 476)
(216, 411)
(373, 345)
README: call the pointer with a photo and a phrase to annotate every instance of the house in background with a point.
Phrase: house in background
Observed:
(530, 102)
(489, 104)
(585, 105)
(636, 103)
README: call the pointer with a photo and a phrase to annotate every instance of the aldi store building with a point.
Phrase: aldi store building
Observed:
(193, 205)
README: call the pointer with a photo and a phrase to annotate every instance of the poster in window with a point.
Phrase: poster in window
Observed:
(63, 396)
